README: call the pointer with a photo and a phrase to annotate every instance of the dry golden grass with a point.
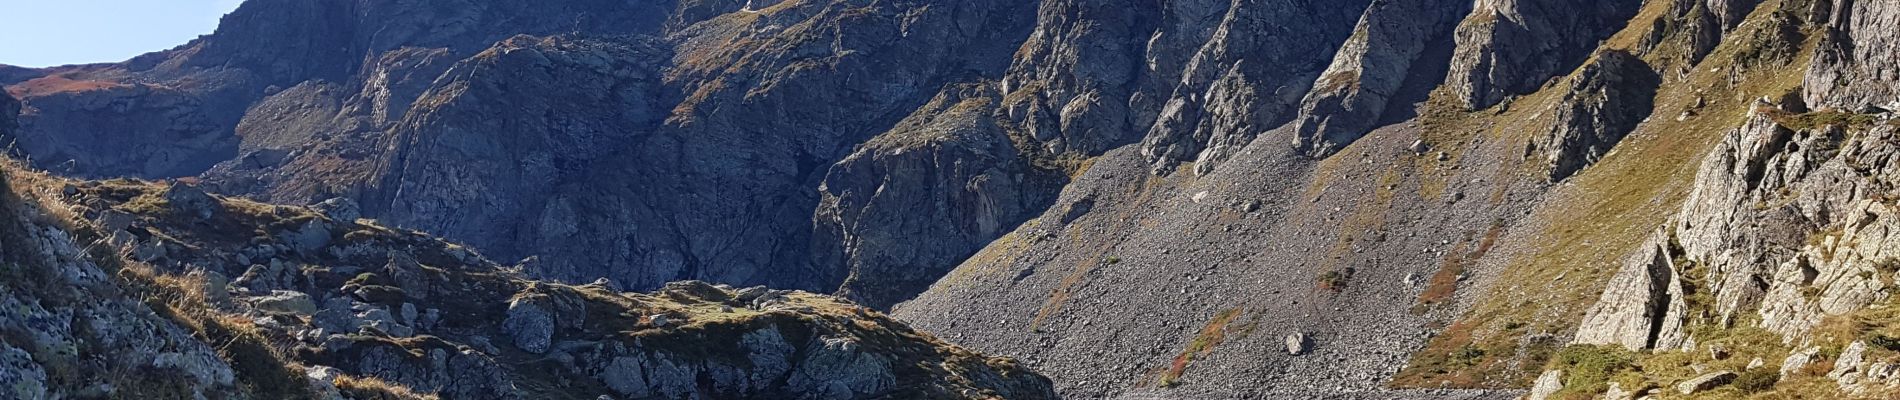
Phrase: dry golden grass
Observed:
(371, 388)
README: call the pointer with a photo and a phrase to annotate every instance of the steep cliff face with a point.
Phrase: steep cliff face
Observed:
(553, 130)
(1389, 61)
(1511, 47)
(1247, 78)
(948, 172)
(131, 289)
(1607, 98)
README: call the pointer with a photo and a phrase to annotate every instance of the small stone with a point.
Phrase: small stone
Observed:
(409, 314)
(1296, 343)
(660, 321)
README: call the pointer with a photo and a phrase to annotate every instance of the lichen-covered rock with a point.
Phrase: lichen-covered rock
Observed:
(1547, 384)
(20, 376)
(191, 201)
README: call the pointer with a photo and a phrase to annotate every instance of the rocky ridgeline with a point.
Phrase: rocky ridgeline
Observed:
(1788, 230)
(188, 294)
(584, 132)
(1181, 199)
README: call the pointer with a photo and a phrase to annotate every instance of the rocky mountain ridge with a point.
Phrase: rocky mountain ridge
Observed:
(131, 289)
(1176, 199)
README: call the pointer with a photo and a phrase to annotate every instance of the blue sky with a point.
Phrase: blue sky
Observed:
(42, 33)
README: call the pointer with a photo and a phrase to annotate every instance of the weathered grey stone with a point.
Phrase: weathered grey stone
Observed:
(1847, 367)
(1546, 385)
(1369, 70)
(285, 302)
(20, 376)
(1705, 382)
(1641, 307)
(189, 200)
(1604, 101)
(530, 324)
(1511, 47)
(340, 209)
(1296, 343)
(1853, 68)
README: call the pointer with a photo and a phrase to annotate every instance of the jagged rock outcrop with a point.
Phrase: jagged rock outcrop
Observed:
(1085, 79)
(474, 154)
(512, 116)
(948, 172)
(1853, 68)
(1511, 47)
(865, 147)
(1699, 25)
(1769, 205)
(1372, 68)
(435, 318)
(1248, 78)
(1605, 100)
(112, 129)
(67, 328)
(1643, 307)
(1843, 273)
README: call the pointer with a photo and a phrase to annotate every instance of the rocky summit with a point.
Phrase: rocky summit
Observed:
(1176, 199)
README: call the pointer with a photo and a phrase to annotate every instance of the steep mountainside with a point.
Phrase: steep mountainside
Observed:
(587, 133)
(1471, 245)
(123, 288)
(1142, 199)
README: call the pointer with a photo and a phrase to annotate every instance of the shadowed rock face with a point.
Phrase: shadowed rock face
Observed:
(181, 293)
(593, 134)
(1511, 47)
(1372, 71)
(9, 115)
(1609, 96)
(947, 172)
